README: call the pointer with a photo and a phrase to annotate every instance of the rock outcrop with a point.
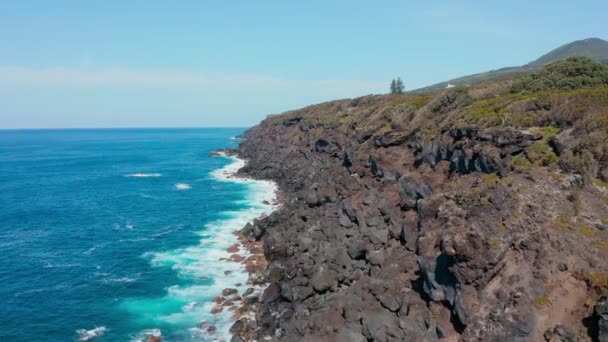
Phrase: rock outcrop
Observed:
(392, 233)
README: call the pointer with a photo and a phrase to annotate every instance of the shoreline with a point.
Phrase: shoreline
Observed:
(242, 304)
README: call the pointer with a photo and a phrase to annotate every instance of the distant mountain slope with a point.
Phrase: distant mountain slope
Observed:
(594, 48)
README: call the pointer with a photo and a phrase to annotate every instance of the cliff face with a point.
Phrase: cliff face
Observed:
(424, 217)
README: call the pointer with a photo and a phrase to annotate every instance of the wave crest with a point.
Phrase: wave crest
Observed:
(88, 335)
(143, 175)
(182, 186)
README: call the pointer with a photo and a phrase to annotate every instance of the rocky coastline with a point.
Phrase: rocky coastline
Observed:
(242, 304)
(389, 233)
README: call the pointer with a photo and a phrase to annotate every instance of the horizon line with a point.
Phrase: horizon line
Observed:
(108, 128)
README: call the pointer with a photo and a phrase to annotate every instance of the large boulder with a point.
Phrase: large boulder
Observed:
(411, 190)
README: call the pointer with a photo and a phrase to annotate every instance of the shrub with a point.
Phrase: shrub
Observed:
(540, 301)
(562, 222)
(601, 183)
(520, 160)
(582, 163)
(588, 232)
(569, 74)
(597, 279)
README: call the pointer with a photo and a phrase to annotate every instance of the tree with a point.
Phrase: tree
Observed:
(399, 86)
(393, 87)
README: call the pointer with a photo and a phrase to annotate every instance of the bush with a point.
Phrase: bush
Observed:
(569, 74)
(582, 163)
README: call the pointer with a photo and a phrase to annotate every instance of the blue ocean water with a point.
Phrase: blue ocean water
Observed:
(119, 230)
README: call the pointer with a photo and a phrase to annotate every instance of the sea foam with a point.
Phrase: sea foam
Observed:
(89, 335)
(182, 186)
(202, 265)
(144, 175)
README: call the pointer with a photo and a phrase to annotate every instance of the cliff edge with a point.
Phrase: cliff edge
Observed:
(467, 214)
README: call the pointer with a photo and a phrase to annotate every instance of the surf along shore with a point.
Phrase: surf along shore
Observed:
(240, 302)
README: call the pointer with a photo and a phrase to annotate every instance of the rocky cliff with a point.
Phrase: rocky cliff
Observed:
(471, 214)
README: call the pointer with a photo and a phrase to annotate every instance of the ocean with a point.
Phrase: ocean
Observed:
(116, 234)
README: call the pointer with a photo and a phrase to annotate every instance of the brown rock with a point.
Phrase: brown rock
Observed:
(211, 329)
(236, 258)
(229, 291)
(218, 299)
(217, 309)
(233, 249)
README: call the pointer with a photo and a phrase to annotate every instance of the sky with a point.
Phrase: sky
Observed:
(77, 64)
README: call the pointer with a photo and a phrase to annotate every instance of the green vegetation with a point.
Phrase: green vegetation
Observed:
(588, 232)
(582, 162)
(397, 86)
(494, 242)
(594, 48)
(601, 183)
(520, 161)
(540, 153)
(605, 221)
(597, 279)
(572, 73)
(540, 301)
(490, 180)
(562, 222)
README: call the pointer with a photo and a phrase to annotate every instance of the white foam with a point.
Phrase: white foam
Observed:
(182, 186)
(143, 175)
(88, 335)
(121, 280)
(202, 261)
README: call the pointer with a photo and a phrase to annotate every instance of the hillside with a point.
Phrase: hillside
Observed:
(593, 48)
(466, 214)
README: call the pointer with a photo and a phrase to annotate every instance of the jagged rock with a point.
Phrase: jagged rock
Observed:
(409, 231)
(411, 190)
(321, 145)
(324, 279)
(376, 171)
(382, 326)
(464, 132)
(237, 327)
(601, 312)
(347, 159)
(392, 138)
(378, 236)
(271, 294)
(292, 121)
(560, 334)
(449, 100)
(403, 239)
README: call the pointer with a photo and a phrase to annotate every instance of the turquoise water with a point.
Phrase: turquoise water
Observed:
(119, 230)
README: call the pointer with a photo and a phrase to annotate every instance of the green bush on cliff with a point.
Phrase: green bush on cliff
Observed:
(582, 163)
(569, 74)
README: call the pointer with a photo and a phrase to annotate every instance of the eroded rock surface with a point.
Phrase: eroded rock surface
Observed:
(387, 234)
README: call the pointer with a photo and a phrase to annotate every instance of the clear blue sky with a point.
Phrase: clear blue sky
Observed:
(230, 63)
